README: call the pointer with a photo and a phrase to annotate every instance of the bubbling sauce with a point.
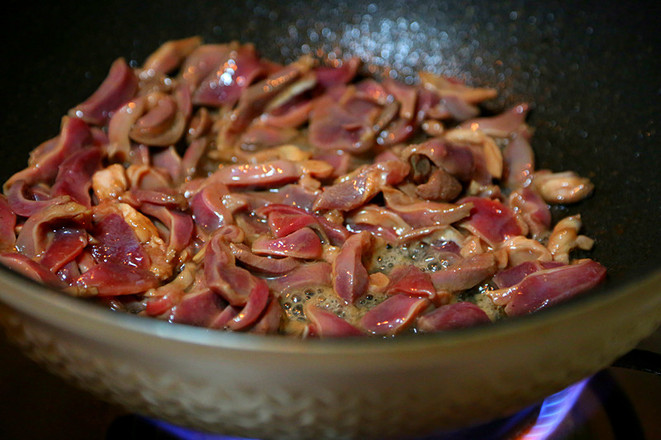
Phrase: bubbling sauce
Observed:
(423, 254)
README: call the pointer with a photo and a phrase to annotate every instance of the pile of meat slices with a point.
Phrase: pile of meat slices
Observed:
(215, 188)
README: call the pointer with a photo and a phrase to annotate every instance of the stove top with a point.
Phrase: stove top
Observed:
(616, 403)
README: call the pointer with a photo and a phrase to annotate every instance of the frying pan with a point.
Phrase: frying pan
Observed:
(592, 74)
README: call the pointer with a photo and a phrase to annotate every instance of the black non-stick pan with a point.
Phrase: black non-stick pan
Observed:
(590, 70)
(592, 74)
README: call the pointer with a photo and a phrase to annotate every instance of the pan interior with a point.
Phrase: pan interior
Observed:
(590, 72)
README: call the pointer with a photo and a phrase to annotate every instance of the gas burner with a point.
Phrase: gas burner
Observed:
(560, 416)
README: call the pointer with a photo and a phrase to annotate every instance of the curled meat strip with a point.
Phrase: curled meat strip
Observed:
(215, 188)
(357, 189)
(451, 316)
(120, 85)
(350, 277)
(549, 286)
(7, 225)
